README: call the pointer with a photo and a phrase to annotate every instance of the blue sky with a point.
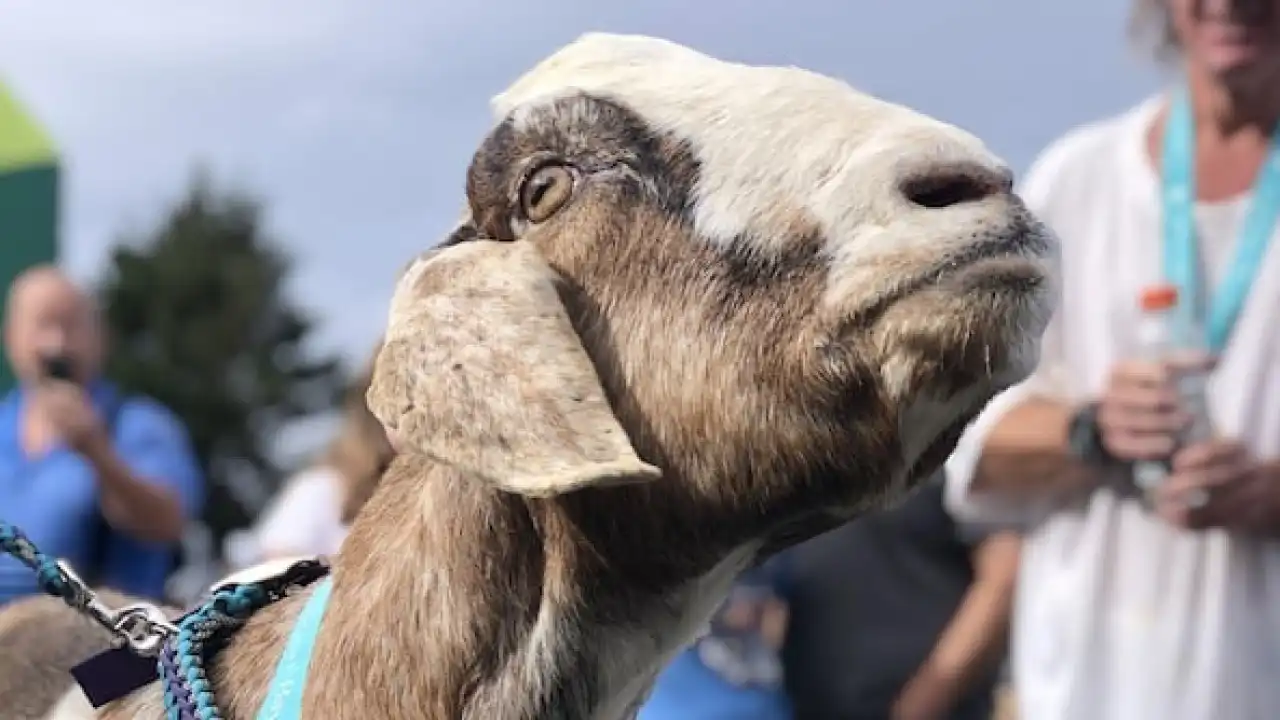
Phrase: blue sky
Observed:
(354, 119)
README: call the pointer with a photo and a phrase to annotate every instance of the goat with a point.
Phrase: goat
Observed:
(696, 311)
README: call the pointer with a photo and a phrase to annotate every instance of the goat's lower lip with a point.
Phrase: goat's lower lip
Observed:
(1006, 263)
(998, 273)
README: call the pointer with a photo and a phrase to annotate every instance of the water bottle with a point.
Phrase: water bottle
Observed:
(1166, 335)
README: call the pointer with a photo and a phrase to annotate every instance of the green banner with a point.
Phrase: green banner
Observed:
(28, 198)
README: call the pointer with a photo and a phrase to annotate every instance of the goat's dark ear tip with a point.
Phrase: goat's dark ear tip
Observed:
(464, 233)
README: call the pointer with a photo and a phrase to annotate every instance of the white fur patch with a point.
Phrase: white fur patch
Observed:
(629, 659)
(624, 678)
(261, 571)
(777, 145)
(73, 706)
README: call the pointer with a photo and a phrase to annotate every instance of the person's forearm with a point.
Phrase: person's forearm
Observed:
(974, 642)
(1026, 453)
(133, 506)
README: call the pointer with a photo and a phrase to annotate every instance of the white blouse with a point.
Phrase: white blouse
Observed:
(1120, 616)
(304, 518)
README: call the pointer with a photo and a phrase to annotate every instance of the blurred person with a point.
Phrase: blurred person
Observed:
(1160, 604)
(733, 671)
(101, 479)
(900, 614)
(311, 515)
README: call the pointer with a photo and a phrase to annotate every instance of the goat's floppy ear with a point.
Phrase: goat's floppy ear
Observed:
(482, 370)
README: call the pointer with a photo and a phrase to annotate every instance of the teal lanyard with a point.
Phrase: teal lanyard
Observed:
(284, 697)
(1181, 259)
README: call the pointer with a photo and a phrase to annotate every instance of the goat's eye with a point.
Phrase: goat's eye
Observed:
(545, 191)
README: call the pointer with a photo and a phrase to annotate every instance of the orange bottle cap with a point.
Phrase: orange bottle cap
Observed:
(1158, 297)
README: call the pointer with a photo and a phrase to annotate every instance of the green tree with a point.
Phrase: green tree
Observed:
(199, 320)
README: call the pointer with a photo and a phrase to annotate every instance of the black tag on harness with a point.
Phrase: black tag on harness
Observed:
(117, 672)
(113, 674)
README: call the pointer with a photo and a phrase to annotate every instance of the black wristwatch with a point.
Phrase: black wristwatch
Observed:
(1084, 437)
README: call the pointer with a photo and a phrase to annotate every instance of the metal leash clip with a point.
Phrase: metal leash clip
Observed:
(144, 628)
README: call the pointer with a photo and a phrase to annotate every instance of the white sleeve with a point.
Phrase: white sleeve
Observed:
(298, 519)
(1037, 191)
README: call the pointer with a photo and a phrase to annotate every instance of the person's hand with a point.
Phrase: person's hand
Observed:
(73, 416)
(1139, 414)
(1218, 484)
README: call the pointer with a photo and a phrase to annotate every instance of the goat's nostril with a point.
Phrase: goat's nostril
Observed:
(948, 188)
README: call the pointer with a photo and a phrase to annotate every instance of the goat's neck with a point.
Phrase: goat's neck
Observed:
(453, 600)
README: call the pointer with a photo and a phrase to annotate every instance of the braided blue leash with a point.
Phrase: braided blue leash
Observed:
(183, 664)
(53, 580)
(183, 661)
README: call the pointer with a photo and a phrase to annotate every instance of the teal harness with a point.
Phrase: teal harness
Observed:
(284, 696)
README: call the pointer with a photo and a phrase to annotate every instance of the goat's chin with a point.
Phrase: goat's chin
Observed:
(977, 330)
(947, 350)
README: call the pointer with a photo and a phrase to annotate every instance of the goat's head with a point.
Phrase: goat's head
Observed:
(747, 289)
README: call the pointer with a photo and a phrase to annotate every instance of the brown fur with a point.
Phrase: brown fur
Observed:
(604, 416)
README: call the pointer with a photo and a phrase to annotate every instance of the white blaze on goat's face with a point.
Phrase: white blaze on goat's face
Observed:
(773, 142)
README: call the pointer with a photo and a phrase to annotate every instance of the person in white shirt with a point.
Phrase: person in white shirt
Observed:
(310, 516)
(1133, 605)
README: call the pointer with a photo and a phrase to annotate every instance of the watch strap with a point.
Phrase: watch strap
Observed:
(1084, 437)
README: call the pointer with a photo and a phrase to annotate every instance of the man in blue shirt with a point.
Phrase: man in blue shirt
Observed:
(104, 481)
